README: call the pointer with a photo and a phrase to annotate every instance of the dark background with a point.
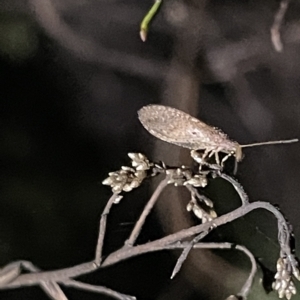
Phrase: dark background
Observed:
(73, 74)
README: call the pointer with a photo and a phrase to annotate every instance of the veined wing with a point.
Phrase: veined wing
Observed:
(177, 127)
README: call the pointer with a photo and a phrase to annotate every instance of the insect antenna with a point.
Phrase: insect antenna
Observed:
(271, 143)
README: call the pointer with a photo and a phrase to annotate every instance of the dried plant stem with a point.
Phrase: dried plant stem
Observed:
(186, 233)
(97, 289)
(71, 283)
(186, 252)
(130, 177)
(11, 271)
(247, 285)
(102, 228)
(51, 288)
(238, 187)
(139, 224)
(57, 276)
(196, 194)
(60, 276)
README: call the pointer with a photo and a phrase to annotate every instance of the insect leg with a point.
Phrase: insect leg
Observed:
(225, 158)
(216, 153)
(212, 151)
(198, 159)
(206, 153)
(201, 161)
(217, 157)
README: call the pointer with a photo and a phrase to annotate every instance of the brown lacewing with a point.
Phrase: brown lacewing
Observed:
(177, 127)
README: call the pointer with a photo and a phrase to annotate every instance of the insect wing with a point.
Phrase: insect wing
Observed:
(176, 127)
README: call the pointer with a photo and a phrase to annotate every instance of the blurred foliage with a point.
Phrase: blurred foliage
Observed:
(18, 37)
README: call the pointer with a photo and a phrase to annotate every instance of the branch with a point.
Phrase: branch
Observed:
(51, 288)
(138, 226)
(246, 287)
(102, 227)
(129, 252)
(97, 289)
(237, 186)
(159, 244)
(131, 177)
(186, 252)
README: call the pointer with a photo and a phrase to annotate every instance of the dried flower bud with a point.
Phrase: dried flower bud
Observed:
(118, 199)
(176, 176)
(197, 181)
(125, 179)
(117, 188)
(198, 212)
(296, 273)
(190, 205)
(283, 283)
(208, 202)
(140, 161)
(205, 215)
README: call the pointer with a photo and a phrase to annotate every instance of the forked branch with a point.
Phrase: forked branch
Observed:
(131, 177)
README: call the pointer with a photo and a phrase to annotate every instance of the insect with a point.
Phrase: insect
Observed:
(177, 127)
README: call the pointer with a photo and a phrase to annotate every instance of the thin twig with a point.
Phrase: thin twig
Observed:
(200, 197)
(275, 29)
(102, 228)
(238, 187)
(123, 253)
(97, 289)
(186, 252)
(50, 280)
(128, 252)
(51, 288)
(247, 285)
(104, 290)
(9, 273)
(139, 224)
(57, 275)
